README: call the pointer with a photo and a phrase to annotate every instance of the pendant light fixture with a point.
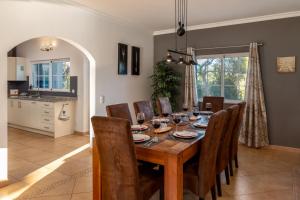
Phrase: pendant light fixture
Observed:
(180, 31)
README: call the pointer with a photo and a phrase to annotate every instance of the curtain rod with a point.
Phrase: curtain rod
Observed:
(225, 47)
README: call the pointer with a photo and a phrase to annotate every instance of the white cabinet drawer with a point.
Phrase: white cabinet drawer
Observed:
(47, 112)
(46, 127)
(46, 105)
(47, 120)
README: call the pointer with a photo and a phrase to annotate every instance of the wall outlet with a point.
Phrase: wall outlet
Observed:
(101, 99)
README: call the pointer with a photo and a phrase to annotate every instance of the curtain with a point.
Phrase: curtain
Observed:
(190, 88)
(254, 129)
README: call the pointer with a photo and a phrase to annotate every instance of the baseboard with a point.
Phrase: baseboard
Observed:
(290, 149)
(81, 133)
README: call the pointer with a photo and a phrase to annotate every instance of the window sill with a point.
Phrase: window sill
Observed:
(226, 101)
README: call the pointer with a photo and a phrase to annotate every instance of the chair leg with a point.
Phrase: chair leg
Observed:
(230, 168)
(219, 185)
(227, 175)
(213, 193)
(161, 194)
(236, 161)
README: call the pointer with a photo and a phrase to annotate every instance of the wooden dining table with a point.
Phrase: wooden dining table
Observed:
(169, 152)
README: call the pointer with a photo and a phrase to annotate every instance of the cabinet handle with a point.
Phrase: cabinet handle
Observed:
(46, 112)
(47, 120)
(33, 102)
(46, 127)
(46, 105)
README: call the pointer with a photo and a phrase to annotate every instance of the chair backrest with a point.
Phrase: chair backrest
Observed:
(208, 152)
(224, 148)
(119, 171)
(144, 107)
(217, 103)
(119, 111)
(236, 131)
(164, 105)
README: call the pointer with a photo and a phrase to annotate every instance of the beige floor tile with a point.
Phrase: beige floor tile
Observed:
(83, 184)
(81, 196)
(263, 173)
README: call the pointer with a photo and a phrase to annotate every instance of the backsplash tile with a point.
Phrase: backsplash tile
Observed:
(23, 86)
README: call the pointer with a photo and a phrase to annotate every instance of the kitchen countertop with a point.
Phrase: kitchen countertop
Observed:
(52, 99)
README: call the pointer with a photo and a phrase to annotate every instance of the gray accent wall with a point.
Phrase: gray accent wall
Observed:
(282, 91)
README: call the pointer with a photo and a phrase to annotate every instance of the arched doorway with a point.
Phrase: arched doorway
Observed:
(91, 86)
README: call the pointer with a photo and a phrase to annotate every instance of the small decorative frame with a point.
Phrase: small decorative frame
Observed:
(286, 64)
(135, 60)
(122, 58)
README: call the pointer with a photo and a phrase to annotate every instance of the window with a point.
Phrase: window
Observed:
(51, 75)
(222, 75)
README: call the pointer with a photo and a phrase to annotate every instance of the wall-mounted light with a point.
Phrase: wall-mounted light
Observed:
(47, 48)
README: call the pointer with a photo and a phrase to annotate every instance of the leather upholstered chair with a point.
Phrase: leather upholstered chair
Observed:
(164, 106)
(200, 173)
(217, 103)
(223, 152)
(144, 107)
(119, 111)
(121, 177)
(233, 154)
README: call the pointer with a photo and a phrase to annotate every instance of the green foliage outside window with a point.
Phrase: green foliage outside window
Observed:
(222, 76)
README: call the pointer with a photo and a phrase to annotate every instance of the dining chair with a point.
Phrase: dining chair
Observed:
(119, 111)
(200, 172)
(216, 101)
(144, 107)
(163, 105)
(121, 177)
(233, 154)
(224, 147)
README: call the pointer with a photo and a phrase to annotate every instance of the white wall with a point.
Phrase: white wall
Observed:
(97, 35)
(79, 64)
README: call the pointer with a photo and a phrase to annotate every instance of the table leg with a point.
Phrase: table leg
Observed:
(173, 178)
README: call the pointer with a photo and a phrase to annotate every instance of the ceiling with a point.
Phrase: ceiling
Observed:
(155, 15)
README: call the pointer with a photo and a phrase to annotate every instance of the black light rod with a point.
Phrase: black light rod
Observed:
(178, 52)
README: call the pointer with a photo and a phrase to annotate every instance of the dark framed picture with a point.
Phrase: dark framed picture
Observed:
(135, 61)
(122, 58)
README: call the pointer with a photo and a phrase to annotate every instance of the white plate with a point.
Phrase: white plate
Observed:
(139, 127)
(185, 134)
(163, 120)
(140, 138)
(200, 125)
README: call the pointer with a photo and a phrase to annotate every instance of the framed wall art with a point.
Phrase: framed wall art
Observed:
(135, 60)
(286, 64)
(122, 58)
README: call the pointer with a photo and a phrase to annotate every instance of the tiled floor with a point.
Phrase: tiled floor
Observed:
(41, 168)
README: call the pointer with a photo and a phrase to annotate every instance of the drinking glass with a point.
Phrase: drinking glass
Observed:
(140, 117)
(156, 125)
(196, 111)
(176, 119)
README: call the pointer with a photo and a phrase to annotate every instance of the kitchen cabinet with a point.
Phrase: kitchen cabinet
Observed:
(16, 69)
(41, 117)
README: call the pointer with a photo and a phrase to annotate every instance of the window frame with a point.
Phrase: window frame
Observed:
(50, 61)
(222, 57)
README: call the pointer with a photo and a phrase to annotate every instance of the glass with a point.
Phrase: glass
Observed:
(196, 111)
(156, 125)
(140, 117)
(177, 119)
(165, 114)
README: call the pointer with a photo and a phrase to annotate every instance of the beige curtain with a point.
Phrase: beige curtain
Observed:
(190, 89)
(254, 130)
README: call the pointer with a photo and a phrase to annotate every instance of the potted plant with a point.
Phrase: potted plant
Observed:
(165, 83)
